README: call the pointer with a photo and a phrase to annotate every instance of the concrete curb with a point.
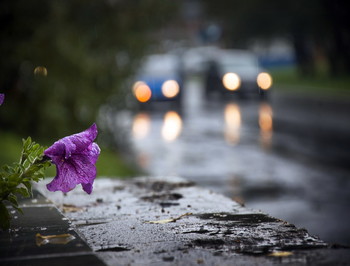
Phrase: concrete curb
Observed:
(168, 220)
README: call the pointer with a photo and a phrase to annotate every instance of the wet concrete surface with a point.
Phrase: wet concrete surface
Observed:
(287, 156)
(169, 221)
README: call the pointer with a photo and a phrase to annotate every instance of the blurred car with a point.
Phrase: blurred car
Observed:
(236, 72)
(196, 58)
(158, 80)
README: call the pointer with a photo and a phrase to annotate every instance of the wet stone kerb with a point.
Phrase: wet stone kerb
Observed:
(156, 220)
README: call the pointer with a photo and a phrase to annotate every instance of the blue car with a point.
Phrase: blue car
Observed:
(158, 80)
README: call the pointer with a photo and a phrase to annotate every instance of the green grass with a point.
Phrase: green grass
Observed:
(287, 79)
(109, 164)
(112, 164)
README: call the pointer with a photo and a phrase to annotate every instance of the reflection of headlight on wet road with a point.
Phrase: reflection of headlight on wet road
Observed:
(141, 126)
(231, 81)
(264, 81)
(172, 126)
(170, 88)
(142, 92)
(232, 123)
(265, 117)
(265, 124)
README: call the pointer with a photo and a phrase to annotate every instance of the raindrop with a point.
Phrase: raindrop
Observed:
(34, 200)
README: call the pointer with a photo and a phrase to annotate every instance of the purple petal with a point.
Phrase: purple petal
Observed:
(87, 187)
(92, 152)
(76, 170)
(64, 181)
(84, 139)
(2, 98)
(75, 157)
(61, 148)
(73, 144)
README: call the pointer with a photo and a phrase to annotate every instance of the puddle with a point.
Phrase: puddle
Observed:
(114, 249)
(162, 197)
(159, 186)
(239, 218)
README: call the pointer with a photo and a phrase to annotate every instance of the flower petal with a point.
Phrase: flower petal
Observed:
(92, 152)
(2, 98)
(87, 187)
(72, 144)
(61, 148)
(84, 139)
(75, 157)
(76, 170)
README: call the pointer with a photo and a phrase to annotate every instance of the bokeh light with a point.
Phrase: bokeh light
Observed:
(264, 80)
(40, 71)
(231, 81)
(232, 123)
(265, 124)
(170, 88)
(172, 126)
(141, 125)
(142, 92)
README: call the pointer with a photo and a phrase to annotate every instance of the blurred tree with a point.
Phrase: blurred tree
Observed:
(62, 59)
(321, 24)
(338, 44)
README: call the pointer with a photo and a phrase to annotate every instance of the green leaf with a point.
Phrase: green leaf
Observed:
(36, 146)
(28, 185)
(13, 200)
(8, 169)
(23, 191)
(26, 143)
(16, 179)
(31, 158)
(4, 217)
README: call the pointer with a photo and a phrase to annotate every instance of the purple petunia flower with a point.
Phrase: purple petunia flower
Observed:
(75, 157)
(2, 98)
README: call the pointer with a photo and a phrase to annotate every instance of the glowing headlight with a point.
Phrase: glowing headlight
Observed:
(142, 92)
(231, 81)
(264, 81)
(170, 88)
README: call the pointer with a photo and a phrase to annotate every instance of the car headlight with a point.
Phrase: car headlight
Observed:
(264, 80)
(170, 88)
(231, 81)
(142, 91)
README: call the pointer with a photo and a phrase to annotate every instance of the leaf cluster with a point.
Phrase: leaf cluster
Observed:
(16, 179)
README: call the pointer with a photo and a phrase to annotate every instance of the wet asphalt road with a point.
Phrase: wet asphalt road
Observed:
(285, 156)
